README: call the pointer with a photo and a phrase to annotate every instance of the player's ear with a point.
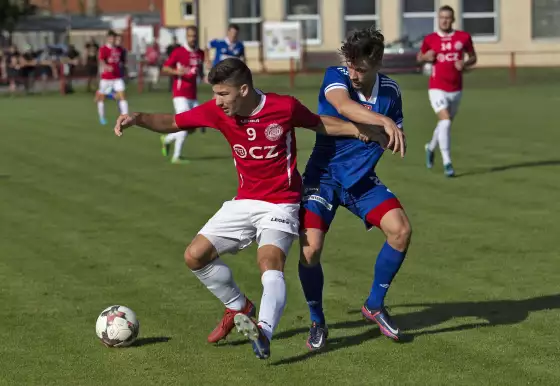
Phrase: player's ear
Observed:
(244, 90)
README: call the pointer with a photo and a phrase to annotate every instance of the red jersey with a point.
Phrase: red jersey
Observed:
(449, 49)
(152, 56)
(191, 60)
(111, 56)
(263, 145)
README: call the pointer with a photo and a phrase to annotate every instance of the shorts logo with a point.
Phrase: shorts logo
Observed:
(280, 220)
(458, 46)
(240, 151)
(273, 132)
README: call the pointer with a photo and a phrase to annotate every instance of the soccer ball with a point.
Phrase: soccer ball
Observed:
(117, 326)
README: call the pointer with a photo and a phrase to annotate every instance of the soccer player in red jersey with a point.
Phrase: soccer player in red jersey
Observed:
(260, 130)
(185, 65)
(110, 58)
(451, 52)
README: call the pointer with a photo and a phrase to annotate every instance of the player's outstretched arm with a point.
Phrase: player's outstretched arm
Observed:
(160, 123)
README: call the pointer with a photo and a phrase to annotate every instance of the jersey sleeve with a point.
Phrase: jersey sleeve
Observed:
(302, 116)
(335, 78)
(213, 43)
(469, 46)
(171, 61)
(103, 54)
(425, 45)
(201, 116)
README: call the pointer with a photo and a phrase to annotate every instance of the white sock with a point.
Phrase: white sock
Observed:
(101, 109)
(272, 302)
(123, 106)
(169, 138)
(218, 278)
(444, 139)
(179, 140)
(434, 142)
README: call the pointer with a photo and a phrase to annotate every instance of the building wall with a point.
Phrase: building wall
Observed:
(513, 29)
(103, 6)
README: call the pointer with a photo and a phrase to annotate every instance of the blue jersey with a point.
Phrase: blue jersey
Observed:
(347, 159)
(225, 49)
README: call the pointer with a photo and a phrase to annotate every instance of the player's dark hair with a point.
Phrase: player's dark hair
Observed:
(233, 26)
(447, 8)
(192, 28)
(112, 33)
(231, 71)
(365, 44)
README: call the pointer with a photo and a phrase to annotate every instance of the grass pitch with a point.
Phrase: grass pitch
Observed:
(88, 220)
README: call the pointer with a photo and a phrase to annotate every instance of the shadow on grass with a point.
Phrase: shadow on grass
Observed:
(150, 340)
(554, 162)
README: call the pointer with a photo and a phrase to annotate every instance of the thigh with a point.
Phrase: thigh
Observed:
(230, 229)
(438, 100)
(180, 105)
(454, 100)
(370, 200)
(321, 198)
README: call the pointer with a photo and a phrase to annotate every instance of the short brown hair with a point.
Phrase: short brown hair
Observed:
(447, 8)
(231, 71)
(365, 44)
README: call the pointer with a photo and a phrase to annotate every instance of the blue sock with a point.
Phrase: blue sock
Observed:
(312, 280)
(388, 263)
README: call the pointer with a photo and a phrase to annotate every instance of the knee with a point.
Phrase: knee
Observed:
(310, 254)
(399, 236)
(197, 255)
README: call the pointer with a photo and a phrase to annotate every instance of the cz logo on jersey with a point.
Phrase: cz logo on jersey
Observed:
(256, 152)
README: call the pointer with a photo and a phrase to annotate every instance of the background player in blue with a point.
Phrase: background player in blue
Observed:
(341, 172)
(228, 47)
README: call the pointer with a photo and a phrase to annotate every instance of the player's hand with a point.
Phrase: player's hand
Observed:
(397, 140)
(460, 65)
(430, 56)
(181, 71)
(124, 121)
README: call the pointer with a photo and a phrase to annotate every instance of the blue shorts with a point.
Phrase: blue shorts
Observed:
(368, 199)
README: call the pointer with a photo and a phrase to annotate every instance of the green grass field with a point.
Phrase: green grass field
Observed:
(88, 220)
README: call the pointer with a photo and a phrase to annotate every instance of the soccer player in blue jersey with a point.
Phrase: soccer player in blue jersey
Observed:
(229, 47)
(341, 172)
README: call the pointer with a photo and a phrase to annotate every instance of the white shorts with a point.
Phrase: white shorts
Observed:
(441, 100)
(182, 104)
(152, 73)
(240, 222)
(107, 86)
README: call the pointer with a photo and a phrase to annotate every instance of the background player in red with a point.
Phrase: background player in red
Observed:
(185, 65)
(110, 58)
(446, 50)
(260, 130)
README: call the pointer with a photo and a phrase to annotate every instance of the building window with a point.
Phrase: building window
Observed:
(480, 19)
(247, 15)
(187, 10)
(307, 11)
(360, 14)
(419, 18)
(546, 19)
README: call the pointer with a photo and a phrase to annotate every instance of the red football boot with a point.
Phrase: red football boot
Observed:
(226, 324)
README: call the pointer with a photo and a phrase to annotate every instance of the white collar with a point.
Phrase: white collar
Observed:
(189, 48)
(374, 92)
(443, 34)
(261, 103)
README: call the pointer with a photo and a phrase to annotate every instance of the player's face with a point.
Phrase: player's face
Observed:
(229, 98)
(363, 74)
(445, 21)
(110, 40)
(192, 38)
(232, 34)
(118, 40)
